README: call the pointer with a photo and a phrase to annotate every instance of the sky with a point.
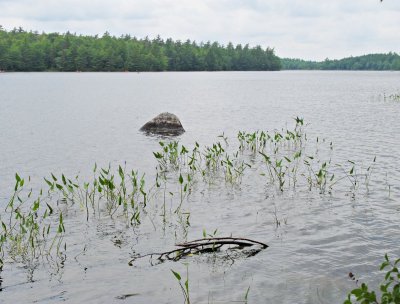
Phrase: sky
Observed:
(307, 29)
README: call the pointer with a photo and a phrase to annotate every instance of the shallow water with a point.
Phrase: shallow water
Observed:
(65, 122)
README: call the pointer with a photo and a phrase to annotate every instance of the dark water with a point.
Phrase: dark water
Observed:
(59, 122)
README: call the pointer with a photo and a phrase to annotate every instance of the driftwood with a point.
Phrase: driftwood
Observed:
(203, 246)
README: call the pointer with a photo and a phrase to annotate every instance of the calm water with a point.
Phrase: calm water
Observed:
(65, 122)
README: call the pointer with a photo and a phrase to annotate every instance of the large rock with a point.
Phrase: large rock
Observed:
(164, 124)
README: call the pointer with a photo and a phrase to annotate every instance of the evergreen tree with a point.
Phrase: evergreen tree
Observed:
(31, 51)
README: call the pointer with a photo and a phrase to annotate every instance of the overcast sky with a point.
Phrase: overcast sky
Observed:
(308, 29)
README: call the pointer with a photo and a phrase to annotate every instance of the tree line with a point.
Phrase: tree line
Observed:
(21, 50)
(375, 62)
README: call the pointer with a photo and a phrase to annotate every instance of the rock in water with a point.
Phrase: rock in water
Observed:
(164, 124)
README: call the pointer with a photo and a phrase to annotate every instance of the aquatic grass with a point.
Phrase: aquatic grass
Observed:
(388, 185)
(173, 155)
(185, 286)
(351, 175)
(34, 227)
(190, 166)
(276, 169)
(224, 137)
(392, 97)
(183, 190)
(277, 220)
(233, 168)
(119, 193)
(285, 155)
(207, 163)
(319, 174)
(356, 174)
(395, 97)
(246, 295)
(162, 178)
(255, 141)
(368, 174)
(29, 231)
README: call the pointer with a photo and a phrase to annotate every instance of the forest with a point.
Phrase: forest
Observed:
(21, 50)
(375, 62)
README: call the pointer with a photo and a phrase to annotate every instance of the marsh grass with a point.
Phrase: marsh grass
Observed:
(118, 194)
(288, 160)
(392, 97)
(32, 227)
(185, 286)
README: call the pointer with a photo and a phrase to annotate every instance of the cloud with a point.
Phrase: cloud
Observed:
(309, 29)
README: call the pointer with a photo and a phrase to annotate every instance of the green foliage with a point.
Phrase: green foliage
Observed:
(389, 288)
(33, 227)
(184, 287)
(394, 97)
(389, 61)
(31, 51)
(120, 194)
(288, 162)
(246, 296)
(28, 229)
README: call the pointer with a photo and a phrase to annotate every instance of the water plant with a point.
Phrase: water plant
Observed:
(185, 286)
(389, 289)
(369, 173)
(246, 295)
(31, 227)
(255, 141)
(233, 168)
(277, 169)
(277, 221)
(34, 227)
(392, 97)
(320, 176)
(395, 97)
(184, 185)
(120, 193)
(284, 153)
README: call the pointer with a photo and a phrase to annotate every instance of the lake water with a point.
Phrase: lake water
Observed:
(67, 122)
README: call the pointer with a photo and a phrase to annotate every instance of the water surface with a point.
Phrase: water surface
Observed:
(65, 122)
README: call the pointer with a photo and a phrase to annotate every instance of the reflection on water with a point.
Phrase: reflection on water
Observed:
(65, 122)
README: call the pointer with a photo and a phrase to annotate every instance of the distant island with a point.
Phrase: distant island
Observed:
(372, 62)
(26, 51)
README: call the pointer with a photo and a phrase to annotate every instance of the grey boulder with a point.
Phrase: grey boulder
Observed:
(164, 124)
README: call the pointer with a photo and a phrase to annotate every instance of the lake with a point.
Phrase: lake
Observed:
(66, 122)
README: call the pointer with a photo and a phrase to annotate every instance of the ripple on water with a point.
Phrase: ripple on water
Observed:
(319, 238)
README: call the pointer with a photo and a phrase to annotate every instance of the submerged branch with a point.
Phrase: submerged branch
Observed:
(201, 246)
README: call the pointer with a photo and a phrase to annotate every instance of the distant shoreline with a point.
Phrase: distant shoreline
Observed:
(182, 72)
(23, 51)
(370, 62)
